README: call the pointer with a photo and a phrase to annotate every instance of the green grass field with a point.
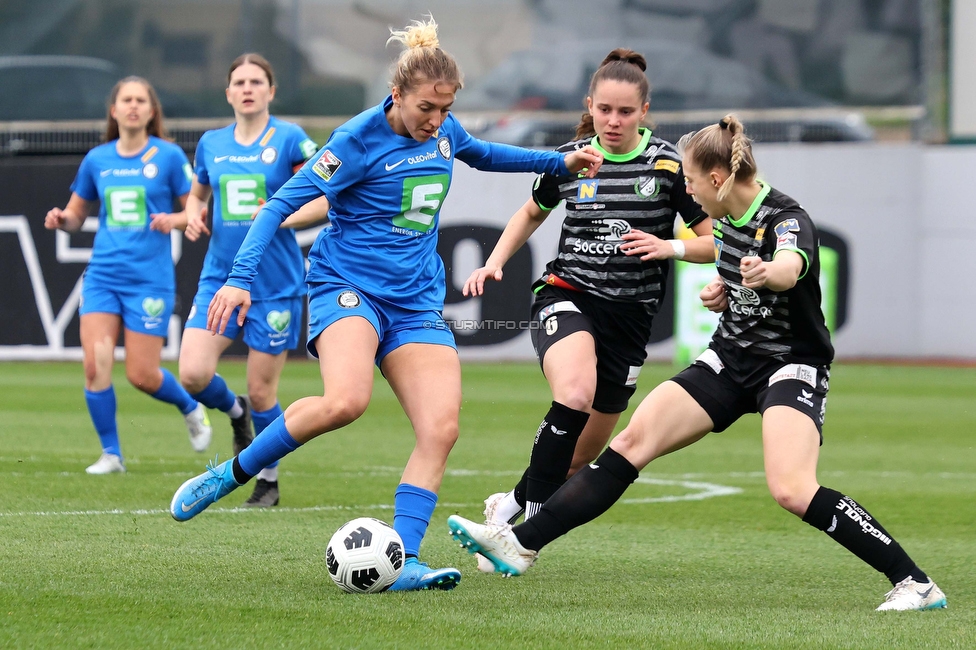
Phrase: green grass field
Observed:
(97, 562)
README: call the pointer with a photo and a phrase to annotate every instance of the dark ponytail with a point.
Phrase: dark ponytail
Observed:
(620, 65)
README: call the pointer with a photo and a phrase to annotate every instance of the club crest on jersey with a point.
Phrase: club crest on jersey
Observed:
(327, 165)
(587, 190)
(646, 186)
(667, 165)
(444, 147)
(348, 300)
(783, 227)
(150, 170)
(269, 155)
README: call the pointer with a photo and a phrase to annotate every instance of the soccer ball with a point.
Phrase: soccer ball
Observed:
(365, 556)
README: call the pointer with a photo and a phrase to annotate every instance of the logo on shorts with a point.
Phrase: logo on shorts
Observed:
(552, 325)
(269, 155)
(153, 307)
(279, 320)
(444, 147)
(150, 170)
(193, 312)
(348, 300)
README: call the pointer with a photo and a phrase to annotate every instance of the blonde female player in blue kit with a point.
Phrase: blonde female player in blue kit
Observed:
(376, 284)
(242, 165)
(137, 176)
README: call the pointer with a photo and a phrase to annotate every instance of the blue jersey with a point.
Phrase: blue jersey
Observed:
(131, 188)
(241, 176)
(385, 193)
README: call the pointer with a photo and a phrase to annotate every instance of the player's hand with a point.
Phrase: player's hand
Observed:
(222, 307)
(165, 222)
(754, 272)
(197, 227)
(254, 215)
(713, 296)
(55, 218)
(475, 284)
(586, 161)
(646, 245)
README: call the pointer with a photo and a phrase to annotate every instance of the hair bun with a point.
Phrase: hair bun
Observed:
(627, 56)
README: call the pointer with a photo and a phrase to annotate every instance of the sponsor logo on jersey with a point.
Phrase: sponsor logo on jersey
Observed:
(220, 159)
(123, 173)
(390, 167)
(444, 147)
(668, 165)
(587, 190)
(269, 155)
(308, 148)
(745, 302)
(759, 236)
(786, 241)
(611, 229)
(348, 300)
(326, 165)
(422, 158)
(647, 186)
(150, 170)
(787, 226)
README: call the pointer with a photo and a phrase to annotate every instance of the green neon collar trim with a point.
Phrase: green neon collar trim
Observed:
(624, 157)
(763, 193)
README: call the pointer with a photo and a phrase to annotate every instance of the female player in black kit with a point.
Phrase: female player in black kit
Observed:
(770, 354)
(594, 305)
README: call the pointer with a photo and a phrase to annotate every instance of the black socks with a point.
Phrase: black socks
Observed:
(586, 496)
(850, 525)
(552, 454)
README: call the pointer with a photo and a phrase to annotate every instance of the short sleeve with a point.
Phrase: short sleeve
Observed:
(793, 231)
(84, 183)
(200, 163)
(340, 164)
(181, 174)
(545, 192)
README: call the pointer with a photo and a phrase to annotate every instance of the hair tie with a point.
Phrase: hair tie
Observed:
(722, 123)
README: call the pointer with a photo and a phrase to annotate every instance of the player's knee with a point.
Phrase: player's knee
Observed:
(145, 378)
(789, 495)
(263, 395)
(194, 380)
(344, 409)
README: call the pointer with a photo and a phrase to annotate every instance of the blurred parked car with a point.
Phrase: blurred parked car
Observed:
(49, 87)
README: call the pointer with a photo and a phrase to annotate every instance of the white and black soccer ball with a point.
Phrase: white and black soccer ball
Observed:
(365, 556)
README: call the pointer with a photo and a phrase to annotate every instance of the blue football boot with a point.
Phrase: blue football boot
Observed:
(199, 492)
(417, 576)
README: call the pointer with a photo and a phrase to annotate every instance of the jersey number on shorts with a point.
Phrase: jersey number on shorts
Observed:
(422, 198)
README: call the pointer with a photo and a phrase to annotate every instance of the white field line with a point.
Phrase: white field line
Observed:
(701, 491)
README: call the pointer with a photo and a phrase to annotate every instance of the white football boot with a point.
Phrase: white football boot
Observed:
(909, 595)
(496, 542)
(106, 464)
(500, 508)
(198, 426)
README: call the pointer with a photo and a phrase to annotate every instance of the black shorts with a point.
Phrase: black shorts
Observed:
(621, 332)
(729, 385)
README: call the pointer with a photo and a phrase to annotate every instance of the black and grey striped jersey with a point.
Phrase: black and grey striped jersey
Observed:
(642, 190)
(787, 325)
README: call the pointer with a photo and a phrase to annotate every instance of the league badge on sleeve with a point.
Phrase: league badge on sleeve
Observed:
(326, 165)
(786, 226)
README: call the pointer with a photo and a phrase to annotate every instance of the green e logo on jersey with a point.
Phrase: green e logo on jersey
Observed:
(125, 207)
(422, 198)
(239, 194)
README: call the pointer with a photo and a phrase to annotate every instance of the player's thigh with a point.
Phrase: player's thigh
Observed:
(346, 350)
(569, 365)
(791, 449)
(426, 379)
(667, 420)
(200, 351)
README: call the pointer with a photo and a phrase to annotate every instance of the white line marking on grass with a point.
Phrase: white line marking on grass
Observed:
(142, 512)
(705, 491)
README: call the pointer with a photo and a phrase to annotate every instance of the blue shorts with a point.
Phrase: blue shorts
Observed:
(394, 325)
(271, 326)
(145, 310)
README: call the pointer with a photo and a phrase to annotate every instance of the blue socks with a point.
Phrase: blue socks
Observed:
(413, 508)
(216, 395)
(272, 445)
(101, 407)
(262, 419)
(172, 393)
